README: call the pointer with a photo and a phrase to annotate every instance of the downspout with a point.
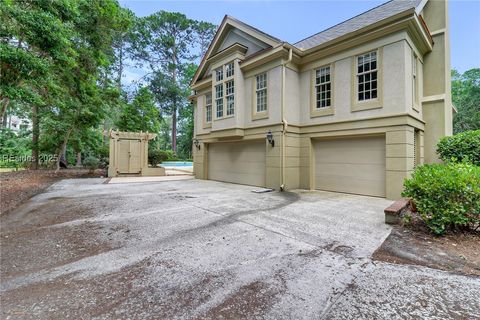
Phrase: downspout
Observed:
(284, 122)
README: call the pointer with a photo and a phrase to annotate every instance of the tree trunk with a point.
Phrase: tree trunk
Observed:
(174, 127)
(105, 130)
(4, 120)
(174, 109)
(63, 149)
(35, 136)
(4, 102)
(79, 159)
(120, 66)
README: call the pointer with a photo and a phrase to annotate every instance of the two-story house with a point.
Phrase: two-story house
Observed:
(350, 109)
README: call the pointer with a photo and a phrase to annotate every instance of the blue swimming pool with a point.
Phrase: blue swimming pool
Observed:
(177, 164)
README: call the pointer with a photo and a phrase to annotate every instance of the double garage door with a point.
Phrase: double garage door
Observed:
(353, 165)
(237, 162)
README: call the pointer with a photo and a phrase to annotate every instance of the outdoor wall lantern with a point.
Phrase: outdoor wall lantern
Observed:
(270, 138)
(196, 143)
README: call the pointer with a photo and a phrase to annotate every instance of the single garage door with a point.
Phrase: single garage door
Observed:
(354, 165)
(237, 162)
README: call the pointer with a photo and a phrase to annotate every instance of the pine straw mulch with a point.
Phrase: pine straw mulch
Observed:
(18, 186)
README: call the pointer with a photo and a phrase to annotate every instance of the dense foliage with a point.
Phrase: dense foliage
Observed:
(466, 97)
(447, 196)
(156, 156)
(54, 60)
(91, 162)
(141, 114)
(61, 67)
(462, 146)
(166, 43)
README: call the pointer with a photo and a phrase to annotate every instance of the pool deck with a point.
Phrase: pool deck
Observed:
(119, 180)
(170, 171)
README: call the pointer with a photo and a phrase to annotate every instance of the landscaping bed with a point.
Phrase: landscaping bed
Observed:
(19, 186)
(457, 252)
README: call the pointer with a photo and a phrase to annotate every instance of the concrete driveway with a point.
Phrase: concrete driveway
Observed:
(192, 249)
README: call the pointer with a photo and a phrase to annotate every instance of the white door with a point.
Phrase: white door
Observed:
(237, 162)
(353, 165)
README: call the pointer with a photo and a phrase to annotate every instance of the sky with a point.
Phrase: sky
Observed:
(292, 21)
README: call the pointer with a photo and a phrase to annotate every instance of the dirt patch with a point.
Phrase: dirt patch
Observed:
(457, 252)
(58, 246)
(69, 298)
(17, 187)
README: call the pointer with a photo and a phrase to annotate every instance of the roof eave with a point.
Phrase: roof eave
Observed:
(407, 19)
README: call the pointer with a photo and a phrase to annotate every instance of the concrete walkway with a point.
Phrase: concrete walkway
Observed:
(193, 249)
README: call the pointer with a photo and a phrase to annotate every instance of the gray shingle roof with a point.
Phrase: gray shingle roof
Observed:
(376, 14)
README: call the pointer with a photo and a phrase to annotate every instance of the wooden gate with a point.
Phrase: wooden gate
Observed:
(129, 156)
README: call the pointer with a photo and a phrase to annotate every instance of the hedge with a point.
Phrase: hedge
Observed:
(447, 196)
(460, 147)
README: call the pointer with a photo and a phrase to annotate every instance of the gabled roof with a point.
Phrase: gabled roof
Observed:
(229, 22)
(358, 22)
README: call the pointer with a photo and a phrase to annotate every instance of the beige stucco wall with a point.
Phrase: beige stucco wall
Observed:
(437, 102)
(393, 69)
(274, 98)
(398, 118)
(292, 96)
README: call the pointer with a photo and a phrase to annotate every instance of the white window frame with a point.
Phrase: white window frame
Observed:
(223, 75)
(371, 73)
(261, 78)
(219, 74)
(415, 88)
(229, 70)
(208, 107)
(219, 112)
(327, 98)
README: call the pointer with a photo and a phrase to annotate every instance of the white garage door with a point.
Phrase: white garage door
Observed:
(355, 165)
(237, 162)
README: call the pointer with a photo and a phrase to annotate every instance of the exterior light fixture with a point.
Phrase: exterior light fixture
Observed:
(270, 138)
(196, 143)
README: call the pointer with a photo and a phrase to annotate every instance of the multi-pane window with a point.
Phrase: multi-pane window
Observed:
(261, 92)
(323, 88)
(224, 90)
(219, 74)
(208, 107)
(219, 100)
(229, 70)
(367, 70)
(230, 95)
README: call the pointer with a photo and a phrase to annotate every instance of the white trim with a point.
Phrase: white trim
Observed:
(420, 6)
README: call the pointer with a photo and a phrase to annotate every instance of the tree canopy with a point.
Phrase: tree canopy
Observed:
(141, 114)
(61, 66)
(466, 98)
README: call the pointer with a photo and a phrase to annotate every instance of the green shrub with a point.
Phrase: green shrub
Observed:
(172, 156)
(447, 196)
(156, 156)
(462, 146)
(91, 162)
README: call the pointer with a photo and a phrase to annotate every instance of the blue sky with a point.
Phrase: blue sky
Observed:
(292, 21)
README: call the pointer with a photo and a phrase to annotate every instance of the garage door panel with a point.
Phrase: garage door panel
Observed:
(349, 185)
(237, 162)
(361, 171)
(354, 165)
